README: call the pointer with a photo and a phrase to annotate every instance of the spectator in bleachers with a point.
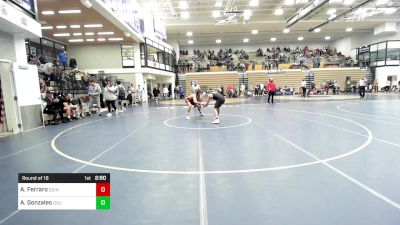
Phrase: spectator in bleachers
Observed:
(61, 103)
(51, 108)
(72, 63)
(75, 106)
(43, 88)
(63, 57)
(48, 70)
(33, 60)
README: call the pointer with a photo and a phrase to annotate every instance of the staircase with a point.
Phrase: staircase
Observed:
(182, 80)
(243, 79)
(310, 79)
(370, 74)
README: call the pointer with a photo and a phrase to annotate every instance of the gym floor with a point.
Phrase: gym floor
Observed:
(292, 163)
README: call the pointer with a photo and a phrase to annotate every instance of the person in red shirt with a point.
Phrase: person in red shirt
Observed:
(271, 90)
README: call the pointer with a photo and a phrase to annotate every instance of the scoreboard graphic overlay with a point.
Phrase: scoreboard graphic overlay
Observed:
(64, 191)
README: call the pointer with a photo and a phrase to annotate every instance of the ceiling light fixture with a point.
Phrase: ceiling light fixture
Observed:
(105, 33)
(245, 40)
(61, 27)
(381, 2)
(289, 2)
(189, 33)
(273, 39)
(286, 30)
(300, 38)
(47, 28)
(278, 12)
(89, 33)
(254, 32)
(349, 29)
(115, 39)
(190, 42)
(348, 2)
(75, 40)
(253, 3)
(332, 16)
(327, 38)
(90, 40)
(317, 30)
(48, 12)
(218, 41)
(77, 34)
(247, 14)
(185, 15)
(183, 5)
(86, 3)
(101, 39)
(218, 3)
(75, 26)
(61, 35)
(389, 11)
(93, 25)
(216, 14)
(331, 11)
(70, 11)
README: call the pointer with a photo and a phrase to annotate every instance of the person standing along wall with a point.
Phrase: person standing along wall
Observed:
(94, 96)
(121, 95)
(361, 86)
(110, 97)
(303, 85)
(139, 93)
(271, 90)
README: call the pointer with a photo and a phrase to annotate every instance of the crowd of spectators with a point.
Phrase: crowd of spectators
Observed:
(271, 58)
(69, 93)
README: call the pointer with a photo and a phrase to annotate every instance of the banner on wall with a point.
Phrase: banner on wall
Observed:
(127, 10)
(160, 29)
(363, 50)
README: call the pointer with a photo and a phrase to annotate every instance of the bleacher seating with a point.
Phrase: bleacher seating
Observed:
(211, 81)
(286, 78)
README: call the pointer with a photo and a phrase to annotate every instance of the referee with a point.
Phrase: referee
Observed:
(361, 86)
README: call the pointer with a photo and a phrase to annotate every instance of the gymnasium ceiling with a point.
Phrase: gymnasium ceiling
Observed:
(263, 18)
(85, 17)
(203, 25)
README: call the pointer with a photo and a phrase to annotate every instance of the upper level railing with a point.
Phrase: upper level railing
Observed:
(386, 53)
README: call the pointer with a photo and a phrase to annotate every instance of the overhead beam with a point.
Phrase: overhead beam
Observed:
(310, 8)
(341, 15)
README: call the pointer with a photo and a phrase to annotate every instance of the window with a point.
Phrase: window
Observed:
(127, 55)
(393, 53)
(44, 47)
(157, 56)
